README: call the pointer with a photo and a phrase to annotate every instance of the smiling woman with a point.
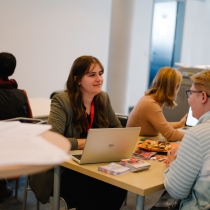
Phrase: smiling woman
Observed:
(83, 105)
(92, 81)
(86, 97)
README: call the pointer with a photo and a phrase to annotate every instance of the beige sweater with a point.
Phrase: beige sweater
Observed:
(148, 114)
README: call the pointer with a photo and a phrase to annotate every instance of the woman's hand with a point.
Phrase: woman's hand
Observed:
(183, 121)
(171, 156)
(81, 143)
(180, 123)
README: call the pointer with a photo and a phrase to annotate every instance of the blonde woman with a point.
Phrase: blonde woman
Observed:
(148, 112)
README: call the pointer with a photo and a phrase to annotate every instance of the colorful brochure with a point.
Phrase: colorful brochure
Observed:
(114, 169)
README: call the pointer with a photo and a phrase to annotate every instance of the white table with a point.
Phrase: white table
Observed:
(40, 107)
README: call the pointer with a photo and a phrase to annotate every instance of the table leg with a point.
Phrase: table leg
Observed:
(139, 202)
(56, 189)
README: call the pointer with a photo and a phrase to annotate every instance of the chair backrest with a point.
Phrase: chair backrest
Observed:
(55, 92)
(26, 120)
(13, 103)
(122, 118)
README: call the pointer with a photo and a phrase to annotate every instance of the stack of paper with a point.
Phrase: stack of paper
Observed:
(20, 144)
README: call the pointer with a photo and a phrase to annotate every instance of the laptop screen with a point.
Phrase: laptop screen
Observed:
(191, 121)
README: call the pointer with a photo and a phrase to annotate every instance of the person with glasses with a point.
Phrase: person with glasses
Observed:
(188, 174)
(148, 112)
(190, 92)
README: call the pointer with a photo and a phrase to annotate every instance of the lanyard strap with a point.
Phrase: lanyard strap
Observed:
(92, 109)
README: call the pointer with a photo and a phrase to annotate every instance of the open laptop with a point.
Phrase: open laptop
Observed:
(191, 121)
(108, 145)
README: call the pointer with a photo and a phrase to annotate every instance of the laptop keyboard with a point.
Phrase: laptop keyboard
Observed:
(78, 156)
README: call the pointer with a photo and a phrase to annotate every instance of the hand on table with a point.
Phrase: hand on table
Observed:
(81, 143)
(171, 156)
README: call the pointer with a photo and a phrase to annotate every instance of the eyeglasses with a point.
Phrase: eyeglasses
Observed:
(190, 92)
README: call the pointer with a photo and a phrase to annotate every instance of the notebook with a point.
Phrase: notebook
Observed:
(191, 121)
(108, 145)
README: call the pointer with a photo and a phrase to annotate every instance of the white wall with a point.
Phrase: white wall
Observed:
(47, 36)
(196, 34)
(140, 51)
(119, 53)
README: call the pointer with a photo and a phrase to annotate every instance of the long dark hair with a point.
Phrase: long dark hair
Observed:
(79, 68)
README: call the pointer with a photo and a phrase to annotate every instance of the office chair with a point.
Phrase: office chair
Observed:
(23, 120)
(122, 118)
(27, 188)
(26, 120)
(55, 92)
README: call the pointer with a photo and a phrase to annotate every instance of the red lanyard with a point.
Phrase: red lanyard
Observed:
(92, 109)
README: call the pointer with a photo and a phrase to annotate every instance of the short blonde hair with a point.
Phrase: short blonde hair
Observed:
(201, 80)
(164, 86)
